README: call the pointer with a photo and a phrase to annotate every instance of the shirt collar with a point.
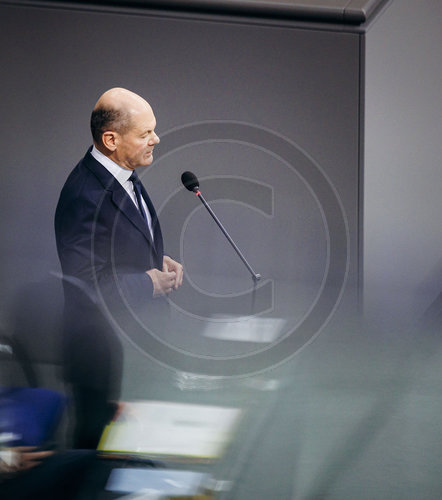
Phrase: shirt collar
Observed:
(121, 174)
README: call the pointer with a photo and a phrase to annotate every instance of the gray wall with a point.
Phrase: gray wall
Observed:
(288, 102)
(357, 413)
(403, 172)
(274, 106)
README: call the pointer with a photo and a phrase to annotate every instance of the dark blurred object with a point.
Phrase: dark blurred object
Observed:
(65, 342)
(60, 476)
(35, 362)
(16, 367)
(93, 360)
(37, 319)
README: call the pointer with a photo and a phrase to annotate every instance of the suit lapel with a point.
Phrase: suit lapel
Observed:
(120, 198)
(124, 203)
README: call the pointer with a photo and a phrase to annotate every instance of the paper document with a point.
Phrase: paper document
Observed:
(259, 330)
(171, 429)
(166, 482)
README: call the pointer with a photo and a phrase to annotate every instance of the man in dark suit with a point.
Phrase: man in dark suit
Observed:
(109, 237)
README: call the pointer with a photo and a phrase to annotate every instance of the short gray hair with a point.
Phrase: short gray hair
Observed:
(103, 119)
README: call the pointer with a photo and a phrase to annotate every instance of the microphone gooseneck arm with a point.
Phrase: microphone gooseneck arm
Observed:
(256, 277)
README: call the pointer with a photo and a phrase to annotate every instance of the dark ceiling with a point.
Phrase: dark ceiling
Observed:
(332, 11)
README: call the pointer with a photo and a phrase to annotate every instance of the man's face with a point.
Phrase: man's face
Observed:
(135, 147)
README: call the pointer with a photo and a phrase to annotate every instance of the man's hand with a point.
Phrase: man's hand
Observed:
(23, 458)
(163, 282)
(170, 278)
(30, 458)
(171, 265)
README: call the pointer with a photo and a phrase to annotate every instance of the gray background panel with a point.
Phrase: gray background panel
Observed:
(356, 414)
(191, 71)
(403, 172)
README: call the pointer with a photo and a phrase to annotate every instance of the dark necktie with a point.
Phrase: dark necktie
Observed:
(137, 188)
(154, 230)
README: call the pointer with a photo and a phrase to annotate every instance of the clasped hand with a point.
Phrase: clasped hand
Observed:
(170, 278)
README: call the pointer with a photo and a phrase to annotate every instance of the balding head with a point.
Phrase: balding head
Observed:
(114, 111)
(119, 98)
(122, 125)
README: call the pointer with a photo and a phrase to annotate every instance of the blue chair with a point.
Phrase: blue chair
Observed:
(28, 414)
(31, 415)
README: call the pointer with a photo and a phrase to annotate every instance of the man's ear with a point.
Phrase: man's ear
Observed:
(109, 139)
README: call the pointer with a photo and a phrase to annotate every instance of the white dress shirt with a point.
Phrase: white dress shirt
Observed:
(122, 175)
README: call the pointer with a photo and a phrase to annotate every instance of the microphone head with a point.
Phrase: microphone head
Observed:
(190, 181)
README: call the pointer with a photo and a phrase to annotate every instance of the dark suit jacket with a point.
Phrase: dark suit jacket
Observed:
(102, 240)
(101, 235)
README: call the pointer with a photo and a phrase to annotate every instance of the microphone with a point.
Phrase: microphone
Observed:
(191, 183)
